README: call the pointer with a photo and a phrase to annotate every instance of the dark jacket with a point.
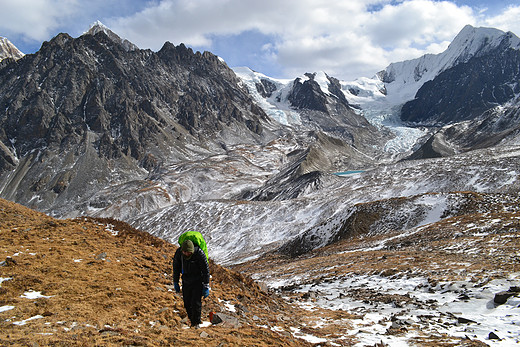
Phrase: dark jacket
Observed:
(195, 269)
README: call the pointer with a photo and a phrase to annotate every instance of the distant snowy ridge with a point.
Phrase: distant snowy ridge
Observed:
(100, 27)
(400, 81)
(275, 105)
(380, 98)
(403, 79)
(8, 50)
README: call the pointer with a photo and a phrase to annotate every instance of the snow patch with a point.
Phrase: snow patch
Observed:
(6, 308)
(23, 322)
(34, 295)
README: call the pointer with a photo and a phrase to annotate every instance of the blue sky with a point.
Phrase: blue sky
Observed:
(280, 38)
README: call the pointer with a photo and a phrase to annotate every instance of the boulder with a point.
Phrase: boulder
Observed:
(493, 336)
(225, 320)
(501, 297)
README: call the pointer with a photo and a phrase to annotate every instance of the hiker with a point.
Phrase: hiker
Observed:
(191, 262)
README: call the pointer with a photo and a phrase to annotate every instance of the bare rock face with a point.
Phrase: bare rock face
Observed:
(325, 108)
(83, 112)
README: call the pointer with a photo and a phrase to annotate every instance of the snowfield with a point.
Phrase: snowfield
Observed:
(444, 305)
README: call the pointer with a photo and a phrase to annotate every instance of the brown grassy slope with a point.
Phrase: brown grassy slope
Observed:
(116, 290)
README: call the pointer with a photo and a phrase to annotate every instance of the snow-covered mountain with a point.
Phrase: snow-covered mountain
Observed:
(395, 85)
(403, 79)
(316, 102)
(270, 94)
(380, 99)
(8, 50)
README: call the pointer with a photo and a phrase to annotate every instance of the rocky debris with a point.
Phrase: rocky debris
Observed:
(462, 320)
(493, 336)
(501, 297)
(225, 320)
(9, 261)
(435, 282)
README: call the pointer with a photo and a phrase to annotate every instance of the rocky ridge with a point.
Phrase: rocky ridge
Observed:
(113, 115)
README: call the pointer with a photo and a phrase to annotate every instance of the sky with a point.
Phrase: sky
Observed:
(280, 38)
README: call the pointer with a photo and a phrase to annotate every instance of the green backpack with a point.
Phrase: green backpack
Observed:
(196, 238)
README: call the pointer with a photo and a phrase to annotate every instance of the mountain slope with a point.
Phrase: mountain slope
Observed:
(470, 88)
(453, 282)
(429, 98)
(475, 103)
(101, 282)
(247, 229)
(467, 90)
(402, 80)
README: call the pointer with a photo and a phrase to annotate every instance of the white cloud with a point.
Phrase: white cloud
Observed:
(347, 39)
(340, 37)
(33, 19)
(507, 20)
(417, 22)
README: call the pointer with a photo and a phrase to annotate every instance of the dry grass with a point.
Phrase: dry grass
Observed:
(115, 290)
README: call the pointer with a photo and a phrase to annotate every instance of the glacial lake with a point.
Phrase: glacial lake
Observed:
(345, 173)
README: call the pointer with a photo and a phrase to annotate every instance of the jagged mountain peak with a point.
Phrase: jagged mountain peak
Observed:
(8, 50)
(98, 27)
(102, 105)
(403, 79)
(473, 41)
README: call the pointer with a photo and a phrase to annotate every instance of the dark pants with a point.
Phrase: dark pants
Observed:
(192, 296)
